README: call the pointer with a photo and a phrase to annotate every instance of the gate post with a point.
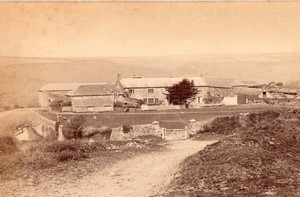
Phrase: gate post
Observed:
(186, 133)
(61, 136)
(163, 133)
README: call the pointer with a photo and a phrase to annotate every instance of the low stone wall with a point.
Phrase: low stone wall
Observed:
(159, 107)
(175, 134)
(135, 131)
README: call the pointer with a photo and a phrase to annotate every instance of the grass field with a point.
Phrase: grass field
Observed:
(169, 119)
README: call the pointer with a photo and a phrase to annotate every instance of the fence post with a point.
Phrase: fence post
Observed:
(186, 133)
(163, 133)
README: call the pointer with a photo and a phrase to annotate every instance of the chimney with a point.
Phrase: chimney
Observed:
(118, 77)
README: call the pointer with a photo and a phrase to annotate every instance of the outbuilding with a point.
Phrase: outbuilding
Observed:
(94, 98)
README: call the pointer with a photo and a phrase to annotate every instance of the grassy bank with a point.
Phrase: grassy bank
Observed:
(259, 157)
(68, 157)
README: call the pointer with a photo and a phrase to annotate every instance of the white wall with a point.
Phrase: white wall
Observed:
(230, 100)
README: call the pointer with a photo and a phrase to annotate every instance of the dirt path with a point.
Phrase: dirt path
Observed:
(140, 176)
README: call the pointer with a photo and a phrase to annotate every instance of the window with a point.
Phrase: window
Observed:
(131, 91)
(156, 100)
(145, 101)
(200, 100)
(264, 94)
(150, 100)
(150, 91)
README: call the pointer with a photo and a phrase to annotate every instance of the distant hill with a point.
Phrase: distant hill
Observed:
(22, 77)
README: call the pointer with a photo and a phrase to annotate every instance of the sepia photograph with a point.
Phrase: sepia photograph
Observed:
(149, 99)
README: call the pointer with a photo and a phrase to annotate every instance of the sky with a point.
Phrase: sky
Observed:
(148, 29)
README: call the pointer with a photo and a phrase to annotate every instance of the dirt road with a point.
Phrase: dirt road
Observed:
(143, 175)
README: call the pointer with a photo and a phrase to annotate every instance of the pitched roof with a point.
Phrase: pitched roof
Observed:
(246, 83)
(91, 101)
(247, 91)
(157, 82)
(59, 86)
(218, 82)
(95, 90)
(220, 92)
(167, 82)
(66, 86)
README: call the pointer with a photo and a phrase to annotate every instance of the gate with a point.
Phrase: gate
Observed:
(175, 134)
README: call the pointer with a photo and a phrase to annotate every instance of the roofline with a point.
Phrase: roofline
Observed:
(171, 86)
(74, 95)
(48, 90)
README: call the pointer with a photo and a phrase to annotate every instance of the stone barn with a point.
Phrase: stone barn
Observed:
(94, 98)
(55, 92)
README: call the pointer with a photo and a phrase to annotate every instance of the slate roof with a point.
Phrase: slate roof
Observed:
(95, 90)
(65, 86)
(158, 82)
(167, 82)
(59, 87)
(247, 91)
(220, 92)
(221, 83)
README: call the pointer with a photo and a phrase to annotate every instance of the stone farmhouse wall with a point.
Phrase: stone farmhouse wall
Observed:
(157, 95)
(137, 130)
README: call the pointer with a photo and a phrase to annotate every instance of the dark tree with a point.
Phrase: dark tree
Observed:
(181, 92)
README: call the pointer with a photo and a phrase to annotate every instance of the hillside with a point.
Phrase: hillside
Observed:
(22, 77)
(260, 158)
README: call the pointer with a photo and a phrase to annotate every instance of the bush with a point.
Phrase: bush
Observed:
(91, 130)
(126, 128)
(77, 122)
(7, 145)
(222, 125)
(74, 127)
(51, 153)
(65, 156)
(70, 145)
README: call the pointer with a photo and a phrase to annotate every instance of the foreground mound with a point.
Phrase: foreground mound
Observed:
(261, 158)
(12, 119)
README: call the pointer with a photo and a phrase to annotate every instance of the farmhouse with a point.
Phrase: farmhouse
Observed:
(153, 90)
(94, 98)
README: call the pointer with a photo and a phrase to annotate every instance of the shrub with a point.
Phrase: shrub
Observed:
(126, 128)
(92, 130)
(74, 127)
(8, 145)
(69, 145)
(51, 153)
(222, 125)
(77, 122)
